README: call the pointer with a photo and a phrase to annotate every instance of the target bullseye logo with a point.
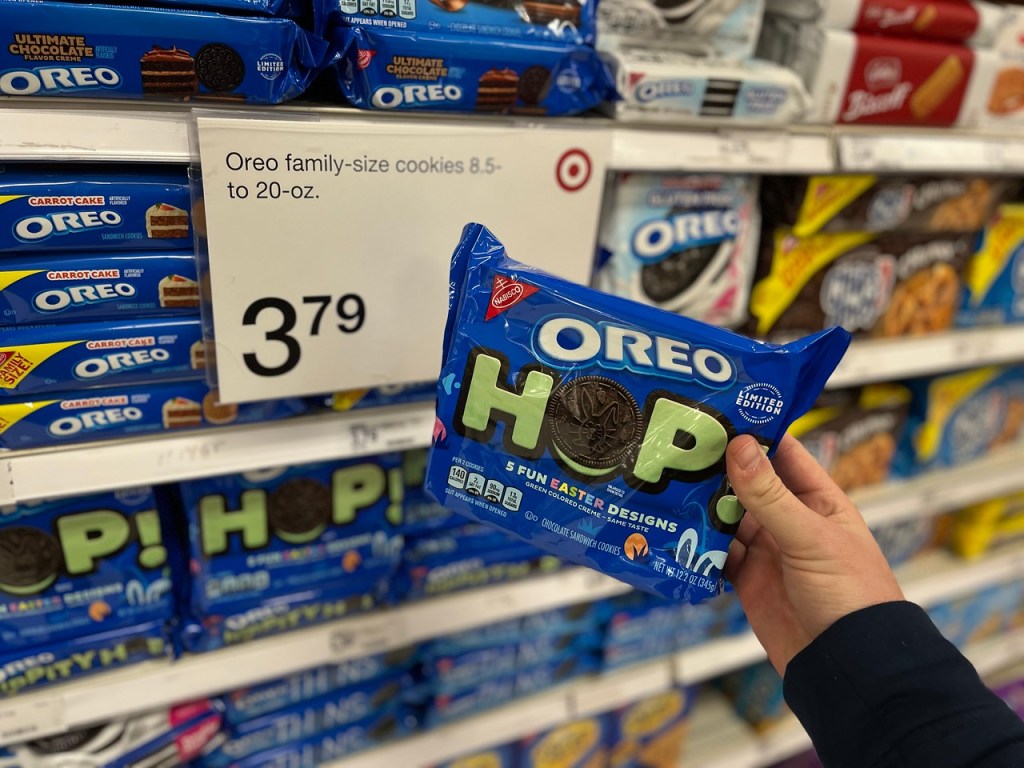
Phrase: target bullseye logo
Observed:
(573, 169)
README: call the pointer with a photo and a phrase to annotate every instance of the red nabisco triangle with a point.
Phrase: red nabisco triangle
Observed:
(505, 294)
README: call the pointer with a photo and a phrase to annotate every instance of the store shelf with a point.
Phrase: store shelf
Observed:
(891, 359)
(116, 464)
(36, 129)
(936, 577)
(944, 491)
(158, 684)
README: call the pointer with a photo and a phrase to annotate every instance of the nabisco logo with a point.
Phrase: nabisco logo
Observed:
(365, 57)
(4, 356)
(883, 72)
(506, 292)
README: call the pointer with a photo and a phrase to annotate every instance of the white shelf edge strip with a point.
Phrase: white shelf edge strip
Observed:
(204, 453)
(150, 686)
(889, 359)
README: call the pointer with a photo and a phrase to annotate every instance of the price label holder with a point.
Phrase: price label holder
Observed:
(25, 720)
(329, 242)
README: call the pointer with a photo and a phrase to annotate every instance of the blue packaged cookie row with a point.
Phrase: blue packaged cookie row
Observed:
(89, 50)
(114, 412)
(595, 428)
(82, 565)
(567, 21)
(71, 288)
(263, 543)
(45, 209)
(82, 356)
(394, 70)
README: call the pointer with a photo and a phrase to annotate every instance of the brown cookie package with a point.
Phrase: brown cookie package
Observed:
(869, 203)
(875, 285)
(854, 433)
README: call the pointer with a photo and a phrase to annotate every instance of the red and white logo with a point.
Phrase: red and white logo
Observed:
(883, 72)
(5, 356)
(573, 169)
(505, 294)
(365, 57)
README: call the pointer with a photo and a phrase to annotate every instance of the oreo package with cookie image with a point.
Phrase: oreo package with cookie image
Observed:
(392, 70)
(82, 565)
(89, 50)
(595, 427)
(683, 243)
(268, 547)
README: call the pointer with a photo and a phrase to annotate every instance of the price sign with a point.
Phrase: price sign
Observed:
(330, 242)
(23, 721)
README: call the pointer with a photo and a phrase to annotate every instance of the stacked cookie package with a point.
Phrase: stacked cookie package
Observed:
(99, 308)
(941, 63)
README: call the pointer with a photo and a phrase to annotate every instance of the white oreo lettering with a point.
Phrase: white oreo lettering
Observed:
(50, 80)
(95, 367)
(569, 341)
(658, 238)
(62, 298)
(392, 96)
(41, 227)
(83, 422)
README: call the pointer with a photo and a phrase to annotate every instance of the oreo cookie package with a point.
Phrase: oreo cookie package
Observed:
(683, 243)
(53, 209)
(70, 288)
(595, 428)
(89, 50)
(83, 565)
(390, 69)
(287, 547)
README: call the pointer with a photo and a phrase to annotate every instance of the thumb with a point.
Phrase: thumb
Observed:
(763, 494)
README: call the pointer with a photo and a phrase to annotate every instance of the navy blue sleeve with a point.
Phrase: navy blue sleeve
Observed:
(883, 688)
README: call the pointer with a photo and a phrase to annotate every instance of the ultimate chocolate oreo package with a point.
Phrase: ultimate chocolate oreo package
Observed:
(595, 427)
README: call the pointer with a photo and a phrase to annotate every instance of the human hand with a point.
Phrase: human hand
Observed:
(803, 556)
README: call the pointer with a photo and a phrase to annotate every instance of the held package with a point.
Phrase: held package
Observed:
(596, 428)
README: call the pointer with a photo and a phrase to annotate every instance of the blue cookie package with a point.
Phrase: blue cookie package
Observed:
(48, 208)
(257, 700)
(82, 565)
(277, 549)
(72, 288)
(121, 51)
(614, 418)
(566, 21)
(116, 412)
(391, 69)
(64, 358)
(27, 669)
(307, 718)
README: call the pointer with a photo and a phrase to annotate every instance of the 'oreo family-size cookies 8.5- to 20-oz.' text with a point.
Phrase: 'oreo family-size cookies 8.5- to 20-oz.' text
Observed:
(107, 51)
(596, 428)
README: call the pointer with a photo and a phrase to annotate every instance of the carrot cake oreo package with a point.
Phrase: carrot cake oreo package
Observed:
(595, 427)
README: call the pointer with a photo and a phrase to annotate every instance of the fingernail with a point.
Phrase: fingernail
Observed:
(750, 456)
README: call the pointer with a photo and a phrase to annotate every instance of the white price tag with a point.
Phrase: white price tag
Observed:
(330, 242)
(363, 637)
(27, 720)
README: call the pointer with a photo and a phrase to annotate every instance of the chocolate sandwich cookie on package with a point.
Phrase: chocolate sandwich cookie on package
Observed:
(391, 69)
(129, 411)
(869, 203)
(23, 670)
(307, 718)
(82, 565)
(257, 700)
(113, 51)
(995, 274)
(725, 27)
(81, 356)
(686, 244)
(595, 427)
(676, 86)
(48, 208)
(71, 288)
(881, 285)
(265, 544)
(565, 21)
(177, 734)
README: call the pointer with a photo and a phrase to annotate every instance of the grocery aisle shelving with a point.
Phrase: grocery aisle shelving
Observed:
(934, 577)
(119, 130)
